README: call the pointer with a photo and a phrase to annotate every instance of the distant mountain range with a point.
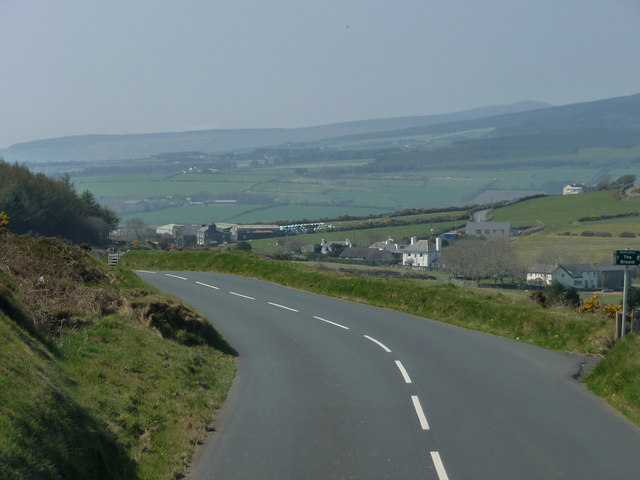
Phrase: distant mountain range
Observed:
(603, 119)
(119, 147)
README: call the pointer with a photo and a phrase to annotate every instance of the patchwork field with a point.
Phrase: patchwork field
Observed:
(264, 194)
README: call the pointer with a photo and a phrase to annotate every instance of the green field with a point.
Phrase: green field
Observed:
(563, 236)
(559, 212)
(317, 189)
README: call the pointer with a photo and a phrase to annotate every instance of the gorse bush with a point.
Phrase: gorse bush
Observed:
(593, 305)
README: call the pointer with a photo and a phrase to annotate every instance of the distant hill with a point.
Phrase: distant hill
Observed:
(118, 147)
(620, 115)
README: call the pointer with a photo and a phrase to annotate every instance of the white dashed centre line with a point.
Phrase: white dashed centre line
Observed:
(330, 322)
(207, 285)
(404, 373)
(175, 276)
(380, 344)
(421, 416)
(241, 295)
(282, 306)
(442, 473)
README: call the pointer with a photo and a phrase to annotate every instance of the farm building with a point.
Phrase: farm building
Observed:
(490, 229)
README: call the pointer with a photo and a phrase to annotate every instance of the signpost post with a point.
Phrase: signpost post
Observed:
(625, 257)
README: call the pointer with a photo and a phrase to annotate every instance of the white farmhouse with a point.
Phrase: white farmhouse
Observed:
(421, 253)
(573, 189)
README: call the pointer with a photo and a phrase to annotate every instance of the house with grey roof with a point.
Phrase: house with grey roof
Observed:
(490, 229)
(587, 276)
(421, 253)
(328, 247)
(389, 245)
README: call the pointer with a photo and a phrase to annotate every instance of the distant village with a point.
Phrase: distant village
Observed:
(419, 254)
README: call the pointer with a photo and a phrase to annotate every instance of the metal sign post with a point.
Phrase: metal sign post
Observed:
(625, 296)
(625, 257)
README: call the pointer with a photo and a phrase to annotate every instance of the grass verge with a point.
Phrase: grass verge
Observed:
(617, 378)
(100, 376)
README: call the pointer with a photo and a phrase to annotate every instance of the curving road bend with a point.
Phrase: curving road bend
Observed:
(328, 389)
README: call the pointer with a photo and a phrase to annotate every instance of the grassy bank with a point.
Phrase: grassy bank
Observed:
(100, 376)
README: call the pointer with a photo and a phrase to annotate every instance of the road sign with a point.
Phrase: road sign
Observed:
(626, 257)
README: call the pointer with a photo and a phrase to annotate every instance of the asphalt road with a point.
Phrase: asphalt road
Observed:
(328, 389)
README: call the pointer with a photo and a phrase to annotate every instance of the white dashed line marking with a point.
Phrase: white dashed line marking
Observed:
(380, 344)
(404, 373)
(330, 322)
(282, 306)
(175, 276)
(423, 419)
(207, 285)
(241, 295)
(145, 271)
(442, 473)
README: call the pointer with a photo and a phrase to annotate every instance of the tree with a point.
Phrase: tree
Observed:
(51, 207)
(604, 182)
(138, 227)
(477, 258)
(625, 181)
(290, 244)
(558, 294)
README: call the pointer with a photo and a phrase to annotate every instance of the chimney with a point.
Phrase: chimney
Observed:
(414, 240)
(438, 244)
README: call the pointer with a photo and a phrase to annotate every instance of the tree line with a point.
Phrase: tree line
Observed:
(39, 205)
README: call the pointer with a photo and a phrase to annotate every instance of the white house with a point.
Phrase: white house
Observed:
(573, 189)
(581, 276)
(421, 253)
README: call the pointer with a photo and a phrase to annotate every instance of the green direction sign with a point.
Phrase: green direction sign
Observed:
(626, 257)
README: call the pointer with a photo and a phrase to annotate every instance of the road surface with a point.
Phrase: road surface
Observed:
(328, 389)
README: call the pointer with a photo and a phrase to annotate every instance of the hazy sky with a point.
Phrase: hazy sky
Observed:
(70, 67)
